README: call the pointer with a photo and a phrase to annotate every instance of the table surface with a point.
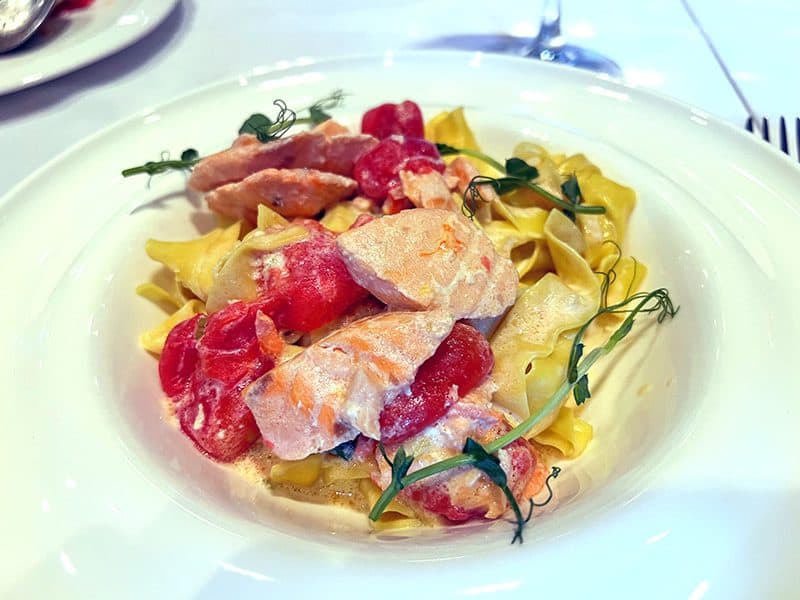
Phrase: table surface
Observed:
(654, 41)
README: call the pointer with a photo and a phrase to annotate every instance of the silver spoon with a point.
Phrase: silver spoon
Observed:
(19, 19)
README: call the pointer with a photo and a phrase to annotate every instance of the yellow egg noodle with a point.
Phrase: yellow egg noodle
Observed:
(563, 266)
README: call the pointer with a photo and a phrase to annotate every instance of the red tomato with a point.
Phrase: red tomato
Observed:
(214, 416)
(204, 373)
(523, 464)
(394, 119)
(229, 348)
(377, 171)
(313, 287)
(70, 5)
(464, 359)
(179, 357)
(433, 497)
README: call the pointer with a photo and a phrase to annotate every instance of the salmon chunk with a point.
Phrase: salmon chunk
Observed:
(460, 172)
(289, 192)
(336, 388)
(465, 493)
(427, 258)
(458, 175)
(342, 151)
(427, 190)
(308, 149)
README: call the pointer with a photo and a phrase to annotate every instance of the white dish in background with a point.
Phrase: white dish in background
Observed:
(79, 38)
(688, 490)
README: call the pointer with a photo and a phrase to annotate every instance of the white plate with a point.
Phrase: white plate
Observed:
(688, 490)
(79, 38)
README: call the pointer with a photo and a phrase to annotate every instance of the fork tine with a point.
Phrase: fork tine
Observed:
(783, 135)
(784, 140)
(797, 137)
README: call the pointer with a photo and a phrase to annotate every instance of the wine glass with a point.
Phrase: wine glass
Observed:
(549, 44)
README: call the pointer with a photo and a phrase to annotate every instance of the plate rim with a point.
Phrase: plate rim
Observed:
(154, 13)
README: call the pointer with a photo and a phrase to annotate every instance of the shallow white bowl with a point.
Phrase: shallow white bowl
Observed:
(676, 489)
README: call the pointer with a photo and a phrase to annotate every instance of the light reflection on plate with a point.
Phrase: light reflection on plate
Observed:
(668, 501)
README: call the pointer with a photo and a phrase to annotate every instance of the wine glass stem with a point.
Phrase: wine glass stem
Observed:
(549, 37)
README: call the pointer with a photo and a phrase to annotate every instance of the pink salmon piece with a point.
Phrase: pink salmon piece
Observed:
(308, 149)
(336, 388)
(465, 493)
(289, 192)
(426, 258)
(427, 190)
(458, 174)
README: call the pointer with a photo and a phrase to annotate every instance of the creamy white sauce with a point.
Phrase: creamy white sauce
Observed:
(200, 418)
(267, 262)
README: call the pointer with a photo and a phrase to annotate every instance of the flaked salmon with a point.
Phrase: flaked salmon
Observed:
(465, 493)
(427, 258)
(308, 149)
(289, 192)
(427, 190)
(458, 175)
(336, 388)
(460, 172)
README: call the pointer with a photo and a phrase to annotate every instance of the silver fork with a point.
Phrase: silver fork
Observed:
(784, 135)
(780, 136)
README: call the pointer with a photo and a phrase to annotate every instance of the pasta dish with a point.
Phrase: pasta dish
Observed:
(390, 318)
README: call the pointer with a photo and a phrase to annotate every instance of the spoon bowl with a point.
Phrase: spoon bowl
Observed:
(19, 20)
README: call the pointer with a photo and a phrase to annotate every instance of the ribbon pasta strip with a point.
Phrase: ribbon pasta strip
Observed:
(563, 269)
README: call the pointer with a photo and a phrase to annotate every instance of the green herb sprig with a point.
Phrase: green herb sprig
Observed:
(266, 129)
(258, 124)
(490, 465)
(399, 466)
(657, 301)
(519, 174)
(189, 158)
(572, 192)
(448, 150)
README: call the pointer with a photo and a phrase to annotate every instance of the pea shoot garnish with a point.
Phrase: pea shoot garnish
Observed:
(189, 158)
(448, 150)
(490, 465)
(484, 457)
(266, 129)
(399, 466)
(519, 174)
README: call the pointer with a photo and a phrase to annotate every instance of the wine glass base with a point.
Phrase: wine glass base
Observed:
(568, 54)
(577, 56)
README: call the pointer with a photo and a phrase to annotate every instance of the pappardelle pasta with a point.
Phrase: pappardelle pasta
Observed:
(392, 319)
